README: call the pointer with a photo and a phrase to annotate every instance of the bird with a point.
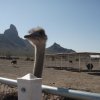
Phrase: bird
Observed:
(14, 63)
(37, 37)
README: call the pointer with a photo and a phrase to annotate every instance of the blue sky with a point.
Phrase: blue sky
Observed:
(74, 24)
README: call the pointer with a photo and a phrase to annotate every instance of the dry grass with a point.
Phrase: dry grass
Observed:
(52, 76)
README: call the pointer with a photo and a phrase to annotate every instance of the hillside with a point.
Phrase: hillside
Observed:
(56, 48)
(12, 44)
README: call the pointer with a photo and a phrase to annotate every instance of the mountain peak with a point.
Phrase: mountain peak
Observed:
(55, 45)
(11, 32)
(12, 44)
(12, 27)
(56, 48)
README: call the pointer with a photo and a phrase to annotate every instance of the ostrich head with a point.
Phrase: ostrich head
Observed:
(37, 38)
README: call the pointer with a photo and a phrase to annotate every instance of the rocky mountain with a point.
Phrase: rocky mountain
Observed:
(12, 44)
(56, 48)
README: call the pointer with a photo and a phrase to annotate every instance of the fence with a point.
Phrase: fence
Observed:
(29, 91)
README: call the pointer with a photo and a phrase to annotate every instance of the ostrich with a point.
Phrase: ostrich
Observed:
(14, 63)
(37, 38)
(89, 66)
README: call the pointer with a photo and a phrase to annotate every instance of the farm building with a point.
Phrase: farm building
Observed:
(79, 61)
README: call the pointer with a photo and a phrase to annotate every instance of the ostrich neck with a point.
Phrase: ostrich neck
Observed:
(39, 59)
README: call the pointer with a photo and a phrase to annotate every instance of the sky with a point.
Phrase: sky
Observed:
(74, 24)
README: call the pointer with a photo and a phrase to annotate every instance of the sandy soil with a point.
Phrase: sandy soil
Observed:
(87, 81)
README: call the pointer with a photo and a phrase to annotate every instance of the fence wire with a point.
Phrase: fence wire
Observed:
(10, 93)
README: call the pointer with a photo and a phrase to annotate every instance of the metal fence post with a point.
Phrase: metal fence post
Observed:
(29, 88)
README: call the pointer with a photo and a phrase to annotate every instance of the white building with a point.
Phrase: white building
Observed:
(76, 61)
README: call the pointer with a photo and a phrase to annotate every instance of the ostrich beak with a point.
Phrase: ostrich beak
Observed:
(26, 36)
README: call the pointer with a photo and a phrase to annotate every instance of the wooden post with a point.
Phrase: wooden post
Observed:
(29, 87)
(79, 64)
(68, 61)
(99, 60)
(61, 62)
(90, 63)
(55, 62)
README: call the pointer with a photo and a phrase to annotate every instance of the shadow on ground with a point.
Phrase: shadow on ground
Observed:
(92, 72)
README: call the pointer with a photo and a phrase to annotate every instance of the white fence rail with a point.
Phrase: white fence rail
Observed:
(76, 94)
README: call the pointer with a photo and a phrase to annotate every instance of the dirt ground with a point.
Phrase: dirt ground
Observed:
(87, 81)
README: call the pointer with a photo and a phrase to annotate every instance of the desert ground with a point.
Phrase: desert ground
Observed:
(87, 81)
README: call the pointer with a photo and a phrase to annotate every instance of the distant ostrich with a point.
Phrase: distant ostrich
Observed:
(37, 38)
(89, 66)
(14, 62)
